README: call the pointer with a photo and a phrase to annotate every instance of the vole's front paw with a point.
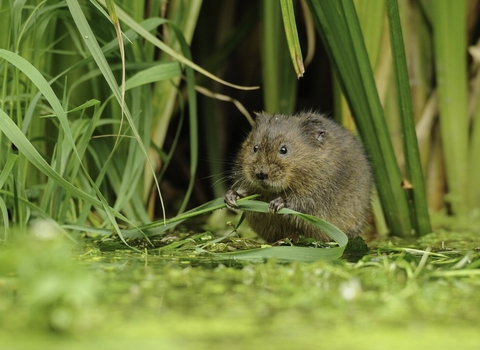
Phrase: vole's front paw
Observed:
(230, 199)
(276, 204)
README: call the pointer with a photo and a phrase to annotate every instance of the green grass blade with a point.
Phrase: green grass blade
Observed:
(6, 171)
(474, 163)
(292, 253)
(332, 231)
(160, 226)
(449, 19)
(290, 25)
(302, 254)
(116, 24)
(162, 71)
(279, 82)
(371, 15)
(340, 31)
(26, 148)
(413, 167)
(192, 115)
(7, 168)
(132, 167)
(6, 224)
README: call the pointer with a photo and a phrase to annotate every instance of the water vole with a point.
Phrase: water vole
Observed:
(307, 163)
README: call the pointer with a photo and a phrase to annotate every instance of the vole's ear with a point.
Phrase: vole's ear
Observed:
(313, 125)
(260, 118)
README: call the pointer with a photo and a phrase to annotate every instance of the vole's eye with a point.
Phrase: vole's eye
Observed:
(283, 150)
(255, 149)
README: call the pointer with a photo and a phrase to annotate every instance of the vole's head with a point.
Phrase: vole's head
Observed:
(281, 151)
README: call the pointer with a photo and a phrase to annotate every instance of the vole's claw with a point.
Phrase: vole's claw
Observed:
(230, 199)
(276, 204)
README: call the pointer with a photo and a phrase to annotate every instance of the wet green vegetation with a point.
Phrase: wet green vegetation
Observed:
(419, 294)
(117, 117)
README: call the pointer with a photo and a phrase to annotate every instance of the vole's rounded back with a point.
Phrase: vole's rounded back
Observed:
(313, 164)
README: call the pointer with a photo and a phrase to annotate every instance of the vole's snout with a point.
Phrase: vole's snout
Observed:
(261, 175)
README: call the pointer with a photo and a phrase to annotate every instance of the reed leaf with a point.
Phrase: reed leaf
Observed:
(130, 22)
(279, 80)
(414, 183)
(339, 29)
(474, 163)
(290, 25)
(449, 34)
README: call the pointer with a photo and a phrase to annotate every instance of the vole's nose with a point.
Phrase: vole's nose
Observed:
(261, 175)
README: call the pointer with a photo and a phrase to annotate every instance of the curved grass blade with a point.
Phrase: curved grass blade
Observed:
(291, 253)
(280, 253)
(161, 71)
(302, 254)
(160, 226)
(7, 168)
(118, 31)
(192, 115)
(129, 21)
(4, 216)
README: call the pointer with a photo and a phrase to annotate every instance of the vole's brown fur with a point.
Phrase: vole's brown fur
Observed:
(307, 163)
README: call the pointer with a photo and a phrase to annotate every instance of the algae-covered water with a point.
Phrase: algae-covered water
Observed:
(55, 295)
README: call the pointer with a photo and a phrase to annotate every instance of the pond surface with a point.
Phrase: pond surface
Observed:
(55, 296)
